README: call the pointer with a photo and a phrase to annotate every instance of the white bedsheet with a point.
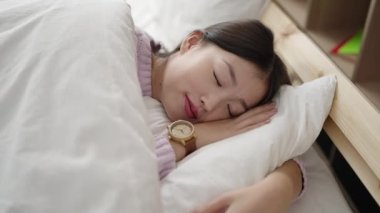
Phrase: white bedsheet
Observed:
(73, 135)
(323, 194)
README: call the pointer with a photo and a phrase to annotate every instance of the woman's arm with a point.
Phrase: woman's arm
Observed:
(213, 131)
(273, 194)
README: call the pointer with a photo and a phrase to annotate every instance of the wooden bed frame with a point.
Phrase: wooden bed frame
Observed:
(354, 122)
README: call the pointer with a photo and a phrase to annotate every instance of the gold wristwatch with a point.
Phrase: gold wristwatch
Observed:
(182, 132)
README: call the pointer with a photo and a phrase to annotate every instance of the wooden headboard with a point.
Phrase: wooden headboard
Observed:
(354, 122)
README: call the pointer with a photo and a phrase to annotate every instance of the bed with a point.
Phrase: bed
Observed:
(61, 152)
(324, 194)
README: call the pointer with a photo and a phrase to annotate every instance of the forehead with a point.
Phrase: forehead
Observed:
(238, 63)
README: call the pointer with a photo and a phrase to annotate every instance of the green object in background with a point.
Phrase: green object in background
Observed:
(352, 46)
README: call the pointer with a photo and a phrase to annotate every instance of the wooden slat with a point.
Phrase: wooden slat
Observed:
(357, 163)
(355, 116)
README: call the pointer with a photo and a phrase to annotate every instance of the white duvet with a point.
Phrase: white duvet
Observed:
(73, 135)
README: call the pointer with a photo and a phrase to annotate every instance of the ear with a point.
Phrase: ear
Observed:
(191, 40)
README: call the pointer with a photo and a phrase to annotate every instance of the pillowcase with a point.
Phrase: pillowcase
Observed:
(73, 132)
(244, 159)
(169, 21)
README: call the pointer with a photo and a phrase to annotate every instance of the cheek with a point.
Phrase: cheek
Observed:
(217, 114)
(253, 91)
(170, 107)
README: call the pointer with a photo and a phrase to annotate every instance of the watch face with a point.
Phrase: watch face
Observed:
(181, 130)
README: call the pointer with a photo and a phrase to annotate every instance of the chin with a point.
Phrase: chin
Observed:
(171, 116)
(172, 112)
(174, 117)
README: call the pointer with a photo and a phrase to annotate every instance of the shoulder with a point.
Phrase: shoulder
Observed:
(143, 36)
(144, 62)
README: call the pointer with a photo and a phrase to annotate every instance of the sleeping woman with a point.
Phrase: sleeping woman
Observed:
(217, 83)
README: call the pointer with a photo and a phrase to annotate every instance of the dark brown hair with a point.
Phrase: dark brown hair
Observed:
(253, 41)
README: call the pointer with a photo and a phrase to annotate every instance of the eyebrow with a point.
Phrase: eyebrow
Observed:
(232, 72)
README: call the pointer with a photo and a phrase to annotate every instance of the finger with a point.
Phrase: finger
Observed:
(254, 126)
(262, 117)
(253, 120)
(263, 108)
(219, 204)
(257, 111)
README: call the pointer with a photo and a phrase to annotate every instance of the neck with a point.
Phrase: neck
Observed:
(158, 69)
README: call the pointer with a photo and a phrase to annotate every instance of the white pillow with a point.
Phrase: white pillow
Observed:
(246, 158)
(168, 21)
(73, 132)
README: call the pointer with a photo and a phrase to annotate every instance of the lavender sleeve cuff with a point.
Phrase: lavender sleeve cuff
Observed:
(165, 155)
(304, 179)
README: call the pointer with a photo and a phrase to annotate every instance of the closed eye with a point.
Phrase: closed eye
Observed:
(216, 79)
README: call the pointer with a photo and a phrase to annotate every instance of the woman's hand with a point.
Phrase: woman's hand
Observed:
(274, 194)
(253, 199)
(213, 131)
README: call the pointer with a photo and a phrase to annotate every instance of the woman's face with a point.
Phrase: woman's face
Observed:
(203, 82)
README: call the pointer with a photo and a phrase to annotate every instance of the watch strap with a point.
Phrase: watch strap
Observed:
(190, 145)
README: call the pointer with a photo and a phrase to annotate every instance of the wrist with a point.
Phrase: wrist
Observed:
(181, 134)
(210, 132)
(179, 150)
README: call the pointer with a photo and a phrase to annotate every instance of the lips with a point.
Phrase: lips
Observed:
(190, 109)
